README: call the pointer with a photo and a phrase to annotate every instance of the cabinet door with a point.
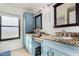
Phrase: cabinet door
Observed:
(45, 51)
(35, 44)
(30, 43)
(27, 41)
(51, 52)
(29, 22)
(55, 52)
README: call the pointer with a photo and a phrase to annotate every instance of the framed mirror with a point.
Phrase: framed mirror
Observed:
(66, 14)
(72, 15)
(61, 15)
(38, 21)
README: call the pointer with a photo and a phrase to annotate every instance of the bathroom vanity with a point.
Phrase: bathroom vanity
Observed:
(58, 46)
(51, 48)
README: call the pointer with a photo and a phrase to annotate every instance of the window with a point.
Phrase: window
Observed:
(9, 28)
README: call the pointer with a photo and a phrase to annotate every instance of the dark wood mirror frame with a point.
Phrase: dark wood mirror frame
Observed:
(40, 20)
(66, 25)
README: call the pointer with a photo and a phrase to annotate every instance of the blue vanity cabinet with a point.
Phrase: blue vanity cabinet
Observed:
(58, 49)
(30, 44)
(28, 22)
(48, 48)
(48, 51)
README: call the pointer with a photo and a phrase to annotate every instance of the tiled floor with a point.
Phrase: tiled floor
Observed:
(20, 52)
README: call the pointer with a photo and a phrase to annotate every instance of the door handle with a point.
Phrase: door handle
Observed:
(41, 49)
(48, 53)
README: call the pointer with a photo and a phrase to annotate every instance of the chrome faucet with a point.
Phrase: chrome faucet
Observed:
(64, 33)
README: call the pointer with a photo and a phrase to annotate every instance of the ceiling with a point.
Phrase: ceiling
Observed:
(28, 6)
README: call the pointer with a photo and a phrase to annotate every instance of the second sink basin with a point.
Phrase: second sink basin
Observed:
(63, 38)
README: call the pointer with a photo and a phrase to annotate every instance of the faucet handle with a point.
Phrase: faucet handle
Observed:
(69, 34)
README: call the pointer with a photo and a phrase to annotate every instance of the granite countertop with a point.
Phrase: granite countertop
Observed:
(73, 41)
(40, 39)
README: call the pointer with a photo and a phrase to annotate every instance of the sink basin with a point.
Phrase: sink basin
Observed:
(67, 38)
(63, 38)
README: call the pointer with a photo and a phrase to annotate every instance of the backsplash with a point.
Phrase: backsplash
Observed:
(67, 34)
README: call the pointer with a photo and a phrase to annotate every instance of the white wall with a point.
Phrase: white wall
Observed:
(48, 22)
(47, 19)
(11, 44)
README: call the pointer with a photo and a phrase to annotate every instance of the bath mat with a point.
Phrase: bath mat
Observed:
(6, 53)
